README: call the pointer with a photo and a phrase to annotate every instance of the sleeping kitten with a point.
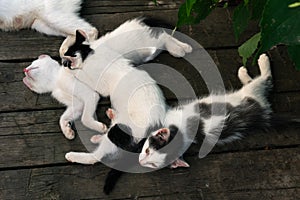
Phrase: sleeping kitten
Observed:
(46, 75)
(136, 98)
(55, 17)
(136, 39)
(229, 116)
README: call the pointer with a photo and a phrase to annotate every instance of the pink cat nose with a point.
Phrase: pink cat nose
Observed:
(25, 70)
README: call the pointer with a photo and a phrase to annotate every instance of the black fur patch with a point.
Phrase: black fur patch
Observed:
(121, 136)
(78, 47)
(156, 25)
(157, 143)
(207, 110)
(246, 117)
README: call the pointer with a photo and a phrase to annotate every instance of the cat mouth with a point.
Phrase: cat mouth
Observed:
(27, 82)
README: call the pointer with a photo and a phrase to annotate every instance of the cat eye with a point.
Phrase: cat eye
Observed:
(147, 151)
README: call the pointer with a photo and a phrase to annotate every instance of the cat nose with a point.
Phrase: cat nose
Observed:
(25, 70)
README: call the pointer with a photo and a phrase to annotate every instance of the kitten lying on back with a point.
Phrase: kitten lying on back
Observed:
(55, 17)
(133, 93)
(46, 75)
(229, 116)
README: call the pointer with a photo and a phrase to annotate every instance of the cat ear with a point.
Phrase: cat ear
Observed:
(179, 163)
(111, 114)
(80, 36)
(163, 133)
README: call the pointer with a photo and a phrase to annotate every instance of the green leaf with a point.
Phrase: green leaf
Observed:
(279, 24)
(241, 18)
(248, 48)
(294, 5)
(198, 11)
(202, 8)
(257, 7)
(189, 6)
(294, 52)
(183, 18)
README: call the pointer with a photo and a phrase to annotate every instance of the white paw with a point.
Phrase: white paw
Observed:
(69, 132)
(263, 60)
(103, 128)
(71, 156)
(264, 65)
(180, 49)
(96, 139)
(187, 48)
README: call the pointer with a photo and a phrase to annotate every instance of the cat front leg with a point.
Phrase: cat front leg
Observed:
(88, 116)
(66, 121)
(80, 157)
(174, 46)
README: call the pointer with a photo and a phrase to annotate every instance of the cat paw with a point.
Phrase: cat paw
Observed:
(264, 65)
(179, 49)
(244, 76)
(96, 139)
(70, 156)
(69, 132)
(103, 128)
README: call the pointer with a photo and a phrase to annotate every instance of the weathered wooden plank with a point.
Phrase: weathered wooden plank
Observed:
(34, 138)
(214, 32)
(15, 96)
(101, 7)
(239, 175)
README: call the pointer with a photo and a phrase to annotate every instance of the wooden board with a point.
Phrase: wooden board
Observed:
(264, 165)
(265, 174)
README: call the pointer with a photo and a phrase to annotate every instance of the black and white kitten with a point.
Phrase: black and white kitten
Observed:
(223, 118)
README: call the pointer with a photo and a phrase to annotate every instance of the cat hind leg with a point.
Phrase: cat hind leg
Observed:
(244, 76)
(264, 65)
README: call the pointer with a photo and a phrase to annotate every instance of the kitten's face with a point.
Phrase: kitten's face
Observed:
(39, 75)
(78, 52)
(151, 156)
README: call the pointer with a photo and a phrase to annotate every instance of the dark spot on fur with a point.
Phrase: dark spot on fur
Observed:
(78, 47)
(207, 110)
(157, 143)
(121, 136)
(246, 117)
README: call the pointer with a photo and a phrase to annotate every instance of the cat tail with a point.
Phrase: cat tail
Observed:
(111, 179)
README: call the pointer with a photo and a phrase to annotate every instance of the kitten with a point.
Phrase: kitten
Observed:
(136, 39)
(55, 17)
(137, 107)
(239, 112)
(46, 75)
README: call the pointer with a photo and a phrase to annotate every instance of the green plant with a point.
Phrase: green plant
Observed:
(279, 22)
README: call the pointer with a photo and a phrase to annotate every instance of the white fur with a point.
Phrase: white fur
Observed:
(253, 88)
(46, 75)
(51, 17)
(133, 93)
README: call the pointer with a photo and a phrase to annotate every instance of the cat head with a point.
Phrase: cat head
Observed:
(78, 52)
(153, 155)
(40, 75)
